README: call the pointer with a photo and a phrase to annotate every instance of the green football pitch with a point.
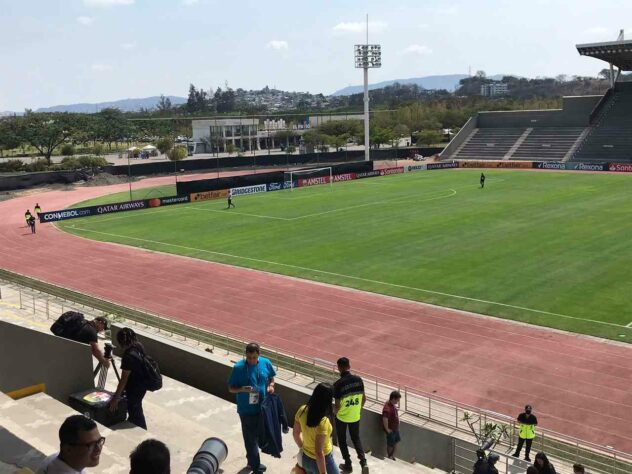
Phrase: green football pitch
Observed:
(551, 249)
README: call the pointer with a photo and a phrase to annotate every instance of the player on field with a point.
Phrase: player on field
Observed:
(230, 199)
(482, 180)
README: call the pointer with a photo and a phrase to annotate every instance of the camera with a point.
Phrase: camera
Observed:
(107, 350)
(209, 457)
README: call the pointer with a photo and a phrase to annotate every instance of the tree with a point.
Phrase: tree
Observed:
(45, 132)
(111, 126)
(429, 137)
(177, 153)
(191, 105)
(10, 137)
(67, 149)
(164, 145)
(164, 104)
(230, 148)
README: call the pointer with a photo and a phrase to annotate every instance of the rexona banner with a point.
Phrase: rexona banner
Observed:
(65, 214)
(442, 166)
(620, 167)
(587, 166)
(208, 195)
(549, 165)
(258, 188)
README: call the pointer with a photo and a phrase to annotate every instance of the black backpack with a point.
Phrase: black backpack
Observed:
(152, 380)
(68, 325)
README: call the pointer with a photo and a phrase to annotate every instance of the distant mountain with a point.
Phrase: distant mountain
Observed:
(125, 105)
(448, 82)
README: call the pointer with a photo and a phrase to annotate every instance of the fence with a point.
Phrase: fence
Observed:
(51, 301)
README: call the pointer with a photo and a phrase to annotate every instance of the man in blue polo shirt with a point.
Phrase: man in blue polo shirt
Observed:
(252, 379)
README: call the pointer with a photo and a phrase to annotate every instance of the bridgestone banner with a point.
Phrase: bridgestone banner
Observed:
(258, 188)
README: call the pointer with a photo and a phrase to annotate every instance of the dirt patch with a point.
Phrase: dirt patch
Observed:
(105, 179)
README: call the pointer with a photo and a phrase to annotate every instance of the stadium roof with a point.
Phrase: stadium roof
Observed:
(618, 53)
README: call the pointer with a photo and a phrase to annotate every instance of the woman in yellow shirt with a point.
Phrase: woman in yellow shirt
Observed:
(312, 432)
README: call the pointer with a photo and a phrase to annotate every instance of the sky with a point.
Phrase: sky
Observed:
(68, 51)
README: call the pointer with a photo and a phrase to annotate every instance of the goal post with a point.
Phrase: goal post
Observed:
(325, 172)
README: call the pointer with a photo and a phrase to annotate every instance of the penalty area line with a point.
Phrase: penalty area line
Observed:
(350, 277)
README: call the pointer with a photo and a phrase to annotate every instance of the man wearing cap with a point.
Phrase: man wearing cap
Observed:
(527, 422)
(88, 334)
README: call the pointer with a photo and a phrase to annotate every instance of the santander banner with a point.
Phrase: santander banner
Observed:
(621, 167)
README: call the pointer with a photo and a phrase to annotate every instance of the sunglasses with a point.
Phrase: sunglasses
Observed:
(94, 444)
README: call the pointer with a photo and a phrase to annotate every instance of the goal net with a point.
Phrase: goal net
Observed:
(308, 177)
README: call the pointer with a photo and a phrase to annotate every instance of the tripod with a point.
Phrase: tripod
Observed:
(102, 370)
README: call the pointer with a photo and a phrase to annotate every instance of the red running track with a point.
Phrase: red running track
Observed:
(578, 385)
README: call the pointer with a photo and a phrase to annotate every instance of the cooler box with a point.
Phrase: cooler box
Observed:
(93, 403)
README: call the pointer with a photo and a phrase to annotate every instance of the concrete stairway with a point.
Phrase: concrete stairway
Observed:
(178, 415)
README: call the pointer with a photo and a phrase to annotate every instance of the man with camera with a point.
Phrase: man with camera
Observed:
(252, 378)
(88, 334)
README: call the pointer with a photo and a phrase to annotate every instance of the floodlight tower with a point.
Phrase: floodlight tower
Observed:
(367, 56)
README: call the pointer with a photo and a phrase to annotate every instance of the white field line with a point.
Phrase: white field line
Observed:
(387, 201)
(366, 280)
(629, 325)
(340, 209)
(228, 212)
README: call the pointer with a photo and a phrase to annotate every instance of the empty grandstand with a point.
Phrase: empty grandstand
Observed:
(586, 129)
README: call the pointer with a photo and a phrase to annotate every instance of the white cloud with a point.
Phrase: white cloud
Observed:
(600, 31)
(107, 3)
(450, 10)
(418, 49)
(360, 27)
(100, 67)
(277, 44)
(189, 2)
(85, 20)
(128, 46)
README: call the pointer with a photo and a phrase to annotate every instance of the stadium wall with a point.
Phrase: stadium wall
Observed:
(32, 180)
(575, 112)
(29, 357)
(250, 161)
(208, 372)
(188, 187)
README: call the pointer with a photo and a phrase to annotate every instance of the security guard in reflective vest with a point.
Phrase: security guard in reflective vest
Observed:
(528, 422)
(349, 400)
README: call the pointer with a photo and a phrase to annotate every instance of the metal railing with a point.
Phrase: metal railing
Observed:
(51, 301)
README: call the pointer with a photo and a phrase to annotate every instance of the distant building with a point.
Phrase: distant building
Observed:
(494, 88)
(247, 134)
